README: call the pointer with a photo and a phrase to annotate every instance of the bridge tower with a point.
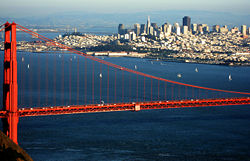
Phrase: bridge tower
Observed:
(10, 88)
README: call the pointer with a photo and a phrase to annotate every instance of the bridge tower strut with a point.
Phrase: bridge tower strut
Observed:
(10, 87)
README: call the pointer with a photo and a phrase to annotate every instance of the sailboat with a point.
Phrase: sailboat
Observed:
(135, 67)
(230, 77)
(196, 69)
(100, 75)
(179, 75)
(28, 66)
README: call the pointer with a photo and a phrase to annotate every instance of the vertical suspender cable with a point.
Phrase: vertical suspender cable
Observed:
(47, 80)
(39, 80)
(100, 77)
(78, 82)
(70, 66)
(115, 87)
(62, 80)
(54, 80)
(108, 86)
(93, 82)
(85, 81)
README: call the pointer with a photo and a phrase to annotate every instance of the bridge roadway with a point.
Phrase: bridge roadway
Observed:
(133, 106)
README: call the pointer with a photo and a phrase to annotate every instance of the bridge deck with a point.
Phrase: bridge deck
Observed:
(133, 106)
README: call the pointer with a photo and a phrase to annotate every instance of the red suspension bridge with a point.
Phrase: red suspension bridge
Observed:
(119, 89)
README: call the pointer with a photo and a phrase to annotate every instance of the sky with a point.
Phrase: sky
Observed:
(21, 8)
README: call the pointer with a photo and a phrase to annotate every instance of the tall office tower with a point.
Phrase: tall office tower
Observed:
(154, 25)
(200, 29)
(248, 31)
(137, 29)
(177, 29)
(121, 29)
(187, 22)
(206, 29)
(216, 28)
(185, 30)
(164, 27)
(244, 30)
(143, 29)
(148, 25)
(151, 30)
(169, 29)
(132, 36)
(194, 28)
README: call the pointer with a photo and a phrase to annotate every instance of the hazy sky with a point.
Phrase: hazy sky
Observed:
(19, 8)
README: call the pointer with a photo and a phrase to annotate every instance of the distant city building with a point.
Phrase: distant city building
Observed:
(187, 22)
(137, 29)
(154, 25)
(132, 36)
(151, 30)
(216, 28)
(127, 31)
(169, 29)
(185, 30)
(194, 28)
(200, 29)
(234, 30)
(244, 30)
(206, 28)
(148, 25)
(177, 29)
(143, 29)
(164, 27)
(126, 36)
(121, 29)
(224, 29)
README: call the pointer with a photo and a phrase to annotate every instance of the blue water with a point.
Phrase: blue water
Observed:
(207, 133)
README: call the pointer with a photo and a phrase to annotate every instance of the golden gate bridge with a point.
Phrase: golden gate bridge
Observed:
(137, 90)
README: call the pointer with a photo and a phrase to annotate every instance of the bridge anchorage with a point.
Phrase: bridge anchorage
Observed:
(10, 113)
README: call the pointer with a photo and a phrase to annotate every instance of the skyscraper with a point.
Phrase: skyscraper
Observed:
(148, 25)
(194, 28)
(244, 30)
(185, 30)
(154, 25)
(143, 29)
(177, 29)
(187, 22)
(137, 29)
(164, 27)
(121, 29)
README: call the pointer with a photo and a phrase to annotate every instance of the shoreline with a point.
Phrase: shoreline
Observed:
(181, 60)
